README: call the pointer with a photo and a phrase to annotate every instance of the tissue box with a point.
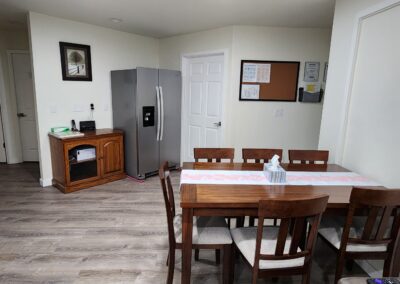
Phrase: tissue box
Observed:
(275, 176)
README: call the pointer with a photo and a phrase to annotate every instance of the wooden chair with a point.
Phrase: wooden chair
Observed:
(308, 156)
(374, 237)
(276, 251)
(208, 232)
(260, 155)
(216, 154)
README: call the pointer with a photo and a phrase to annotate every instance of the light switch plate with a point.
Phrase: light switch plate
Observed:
(78, 108)
(279, 113)
(53, 108)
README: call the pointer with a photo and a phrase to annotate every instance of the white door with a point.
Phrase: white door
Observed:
(3, 158)
(23, 86)
(203, 103)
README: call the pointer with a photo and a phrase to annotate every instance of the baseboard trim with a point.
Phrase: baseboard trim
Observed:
(46, 182)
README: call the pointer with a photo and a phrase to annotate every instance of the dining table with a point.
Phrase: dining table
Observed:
(235, 199)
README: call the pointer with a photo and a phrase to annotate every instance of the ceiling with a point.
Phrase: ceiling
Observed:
(163, 18)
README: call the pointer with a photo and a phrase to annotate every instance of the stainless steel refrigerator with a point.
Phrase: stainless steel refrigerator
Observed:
(146, 105)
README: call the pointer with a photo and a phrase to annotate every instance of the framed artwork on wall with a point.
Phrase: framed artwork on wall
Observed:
(76, 62)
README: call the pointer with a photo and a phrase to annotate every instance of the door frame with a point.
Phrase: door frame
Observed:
(13, 97)
(2, 130)
(358, 21)
(185, 57)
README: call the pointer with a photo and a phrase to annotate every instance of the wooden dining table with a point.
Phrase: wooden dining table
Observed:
(233, 200)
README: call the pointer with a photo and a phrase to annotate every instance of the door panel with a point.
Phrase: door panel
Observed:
(23, 87)
(111, 156)
(148, 146)
(204, 103)
(170, 144)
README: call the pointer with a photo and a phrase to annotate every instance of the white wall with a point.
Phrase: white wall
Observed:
(172, 48)
(373, 130)
(333, 114)
(56, 99)
(252, 124)
(10, 40)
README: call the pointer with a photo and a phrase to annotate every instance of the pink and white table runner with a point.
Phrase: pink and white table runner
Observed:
(259, 178)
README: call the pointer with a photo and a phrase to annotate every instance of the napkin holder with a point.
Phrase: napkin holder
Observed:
(277, 175)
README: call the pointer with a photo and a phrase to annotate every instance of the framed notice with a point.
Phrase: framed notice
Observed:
(311, 72)
(268, 80)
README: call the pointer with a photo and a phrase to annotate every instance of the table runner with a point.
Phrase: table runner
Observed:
(259, 178)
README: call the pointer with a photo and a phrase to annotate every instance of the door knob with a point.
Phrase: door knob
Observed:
(218, 124)
(21, 114)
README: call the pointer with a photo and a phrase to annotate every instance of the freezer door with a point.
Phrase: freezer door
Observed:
(146, 98)
(123, 84)
(170, 83)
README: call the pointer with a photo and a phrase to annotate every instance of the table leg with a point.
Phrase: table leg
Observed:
(187, 231)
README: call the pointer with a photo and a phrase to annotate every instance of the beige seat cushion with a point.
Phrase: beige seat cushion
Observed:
(245, 240)
(206, 230)
(353, 280)
(332, 229)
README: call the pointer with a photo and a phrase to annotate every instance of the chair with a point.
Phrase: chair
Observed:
(216, 154)
(310, 156)
(373, 237)
(276, 251)
(260, 155)
(208, 232)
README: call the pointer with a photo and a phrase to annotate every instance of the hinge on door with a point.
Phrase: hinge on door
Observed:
(4, 145)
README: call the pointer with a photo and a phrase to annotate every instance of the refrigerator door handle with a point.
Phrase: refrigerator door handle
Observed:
(158, 113)
(162, 113)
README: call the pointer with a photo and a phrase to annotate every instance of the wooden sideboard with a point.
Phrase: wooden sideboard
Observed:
(107, 165)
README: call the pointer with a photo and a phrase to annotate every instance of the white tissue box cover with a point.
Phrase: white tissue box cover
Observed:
(275, 176)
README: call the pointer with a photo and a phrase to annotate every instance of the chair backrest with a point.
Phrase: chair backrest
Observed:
(381, 205)
(169, 199)
(260, 155)
(310, 156)
(294, 215)
(216, 154)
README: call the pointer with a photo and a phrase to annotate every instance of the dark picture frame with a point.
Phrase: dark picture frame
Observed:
(76, 62)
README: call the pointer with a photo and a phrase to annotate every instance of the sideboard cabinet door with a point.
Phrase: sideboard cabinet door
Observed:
(111, 156)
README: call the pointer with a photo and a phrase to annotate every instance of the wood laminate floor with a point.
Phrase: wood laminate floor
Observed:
(113, 233)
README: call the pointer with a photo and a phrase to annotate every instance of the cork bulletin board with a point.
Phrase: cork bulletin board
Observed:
(268, 80)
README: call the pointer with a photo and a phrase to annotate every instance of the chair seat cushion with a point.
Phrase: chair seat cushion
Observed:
(331, 229)
(353, 280)
(245, 240)
(206, 230)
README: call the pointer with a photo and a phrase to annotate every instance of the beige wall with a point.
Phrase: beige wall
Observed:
(334, 110)
(253, 124)
(57, 100)
(373, 129)
(10, 40)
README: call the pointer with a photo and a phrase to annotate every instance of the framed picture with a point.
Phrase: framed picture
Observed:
(75, 62)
